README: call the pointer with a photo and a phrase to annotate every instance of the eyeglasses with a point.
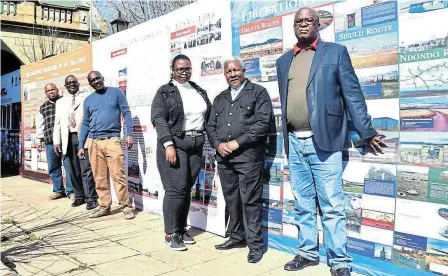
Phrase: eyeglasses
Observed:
(71, 83)
(183, 70)
(235, 70)
(308, 21)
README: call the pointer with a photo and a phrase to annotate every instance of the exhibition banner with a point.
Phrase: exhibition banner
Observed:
(138, 61)
(396, 202)
(34, 78)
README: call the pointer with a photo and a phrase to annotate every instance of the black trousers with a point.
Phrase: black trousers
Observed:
(80, 171)
(178, 180)
(242, 187)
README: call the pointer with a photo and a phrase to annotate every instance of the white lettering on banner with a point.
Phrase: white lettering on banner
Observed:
(250, 29)
(275, 9)
(270, 24)
(366, 32)
(422, 56)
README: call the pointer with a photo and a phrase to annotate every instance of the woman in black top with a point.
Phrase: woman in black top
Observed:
(179, 112)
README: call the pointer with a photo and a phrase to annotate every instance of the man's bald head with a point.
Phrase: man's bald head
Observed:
(51, 91)
(96, 81)
(306, 25)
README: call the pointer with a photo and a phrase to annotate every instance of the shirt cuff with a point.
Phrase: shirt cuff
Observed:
(167, 144)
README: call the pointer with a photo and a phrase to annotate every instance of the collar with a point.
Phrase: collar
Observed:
(239, 87)
(185, 85)
(76, 94)
(313, 47)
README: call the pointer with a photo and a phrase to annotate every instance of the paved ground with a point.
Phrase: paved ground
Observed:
(43, 237)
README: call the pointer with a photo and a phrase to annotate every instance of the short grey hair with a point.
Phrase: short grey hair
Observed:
(234, 59)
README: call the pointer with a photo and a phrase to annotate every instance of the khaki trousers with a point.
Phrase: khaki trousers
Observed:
(107, 155)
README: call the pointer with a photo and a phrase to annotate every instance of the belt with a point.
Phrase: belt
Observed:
(192, 133)
(103, 138)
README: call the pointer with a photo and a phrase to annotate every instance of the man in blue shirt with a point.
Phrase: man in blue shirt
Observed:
(102, 124)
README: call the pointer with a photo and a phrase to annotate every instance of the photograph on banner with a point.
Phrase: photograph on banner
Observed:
(424, 113)
(274, 144)
(369, 249)
(210, 198)
(423, 57)
(210, 182)
(272, 215)
(361, 152)
(353, 211)
(437, 256)
(208, 158)
(379, 82)
(424, 149)
(438, 185)
(378, 219)
(385, 114)
(211, 66)
(413, 217)
(357, 174)
(272, 179)
(197, 192)
(409, 250)
(412, 182)
(10, 88)
(369, 32)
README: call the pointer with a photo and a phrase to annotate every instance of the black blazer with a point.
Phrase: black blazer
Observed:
(247, 119)
(167, 111)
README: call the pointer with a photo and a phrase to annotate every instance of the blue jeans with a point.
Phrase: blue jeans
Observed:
(55, 171)
(316, 177)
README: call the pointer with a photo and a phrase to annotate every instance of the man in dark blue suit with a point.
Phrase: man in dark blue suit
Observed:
(318, 86)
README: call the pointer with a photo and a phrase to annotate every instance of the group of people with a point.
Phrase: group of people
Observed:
(82, 131)
(318, 91)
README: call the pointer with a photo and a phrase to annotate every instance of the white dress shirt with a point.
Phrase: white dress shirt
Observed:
(77, 99)
(194, 108)
(234, 92)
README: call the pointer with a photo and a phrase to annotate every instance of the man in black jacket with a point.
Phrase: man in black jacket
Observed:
(238, 126)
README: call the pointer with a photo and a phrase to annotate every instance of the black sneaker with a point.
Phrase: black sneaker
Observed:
(175, 242)
(187, 238)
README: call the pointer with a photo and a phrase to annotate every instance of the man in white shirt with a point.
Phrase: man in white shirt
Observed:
(68, 119)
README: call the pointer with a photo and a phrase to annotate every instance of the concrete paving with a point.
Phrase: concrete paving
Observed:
(43, 237)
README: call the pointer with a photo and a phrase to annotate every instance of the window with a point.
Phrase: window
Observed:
(46, 13)
(69, 16)
(1, 7)
(51, 14)
(63, 18)
(57, 15)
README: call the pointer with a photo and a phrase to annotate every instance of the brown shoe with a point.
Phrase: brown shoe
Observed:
(54, 196)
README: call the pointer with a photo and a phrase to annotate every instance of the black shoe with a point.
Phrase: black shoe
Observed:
(187, 238)
(230, 244)
(341, 272)
(78, 202)
(299, 263)
(175, 242)
(255, 256)
(91, 205)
